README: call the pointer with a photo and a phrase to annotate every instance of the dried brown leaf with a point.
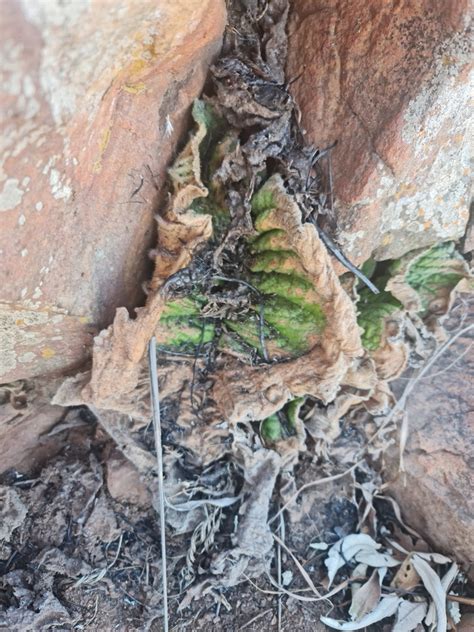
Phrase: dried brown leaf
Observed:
(366, 597)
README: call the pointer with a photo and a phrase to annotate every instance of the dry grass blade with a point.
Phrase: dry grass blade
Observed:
(301, 569)
(155, 402)
(279, 604)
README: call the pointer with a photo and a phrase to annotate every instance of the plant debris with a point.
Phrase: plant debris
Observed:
(262, 351)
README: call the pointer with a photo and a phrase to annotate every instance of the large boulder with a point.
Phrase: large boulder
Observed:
(95, 98)
(435, 491)
(390, 82)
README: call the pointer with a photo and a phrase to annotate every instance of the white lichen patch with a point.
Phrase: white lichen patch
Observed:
(13, 323)
(59, 189)
(29, 356)
(351, 241)
(11, 195)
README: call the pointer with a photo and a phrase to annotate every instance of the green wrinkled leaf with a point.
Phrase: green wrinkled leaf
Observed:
(181, 328)
(435, 271)
(291, 306)
(271, 429)
(293, 410)
(373, 309)
(282, 424)
(204, 114)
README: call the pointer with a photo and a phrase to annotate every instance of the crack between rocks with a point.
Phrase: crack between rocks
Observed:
(370, 138)
(422, 451)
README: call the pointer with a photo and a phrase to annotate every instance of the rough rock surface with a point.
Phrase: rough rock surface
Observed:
(124, 483)
(25, 420)
(390, 81)
(94, 100)
(435, 494)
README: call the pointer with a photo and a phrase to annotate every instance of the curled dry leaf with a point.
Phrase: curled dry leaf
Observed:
(409, 615)
(386, 608)
(360, 548)
(433, 585)
(425, 280)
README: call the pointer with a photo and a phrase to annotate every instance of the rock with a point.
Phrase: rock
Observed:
(124, 482)
(95, 98)
(390, 83)
(435, 493)
(25, 419)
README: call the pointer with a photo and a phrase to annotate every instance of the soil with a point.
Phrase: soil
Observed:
(52, 567)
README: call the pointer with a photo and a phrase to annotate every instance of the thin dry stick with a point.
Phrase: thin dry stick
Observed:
(155, 403)
(306, 486)
(256, 618)
(467, 601)
(279, 604)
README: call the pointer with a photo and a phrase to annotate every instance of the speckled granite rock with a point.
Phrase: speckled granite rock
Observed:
(94, 99)
(391, 82)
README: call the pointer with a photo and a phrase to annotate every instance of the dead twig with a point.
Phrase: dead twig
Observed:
(467, 601)
(256, 618)
(282, 534)
(155, 403)
(331, 246)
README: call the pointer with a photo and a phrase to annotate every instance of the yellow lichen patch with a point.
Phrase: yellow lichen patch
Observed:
(134, 89)
(404, 190)
(104, 141)
(47, 352)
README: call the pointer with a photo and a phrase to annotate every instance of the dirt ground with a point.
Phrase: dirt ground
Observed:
(81, 561)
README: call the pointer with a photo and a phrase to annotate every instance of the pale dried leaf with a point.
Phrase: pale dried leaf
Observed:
(360, 547)
(386, 608)
(454, 611)
(434, 587)
(449, 576)
(319, 546)
(409, 615)
(368, 556)
(436, 558)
